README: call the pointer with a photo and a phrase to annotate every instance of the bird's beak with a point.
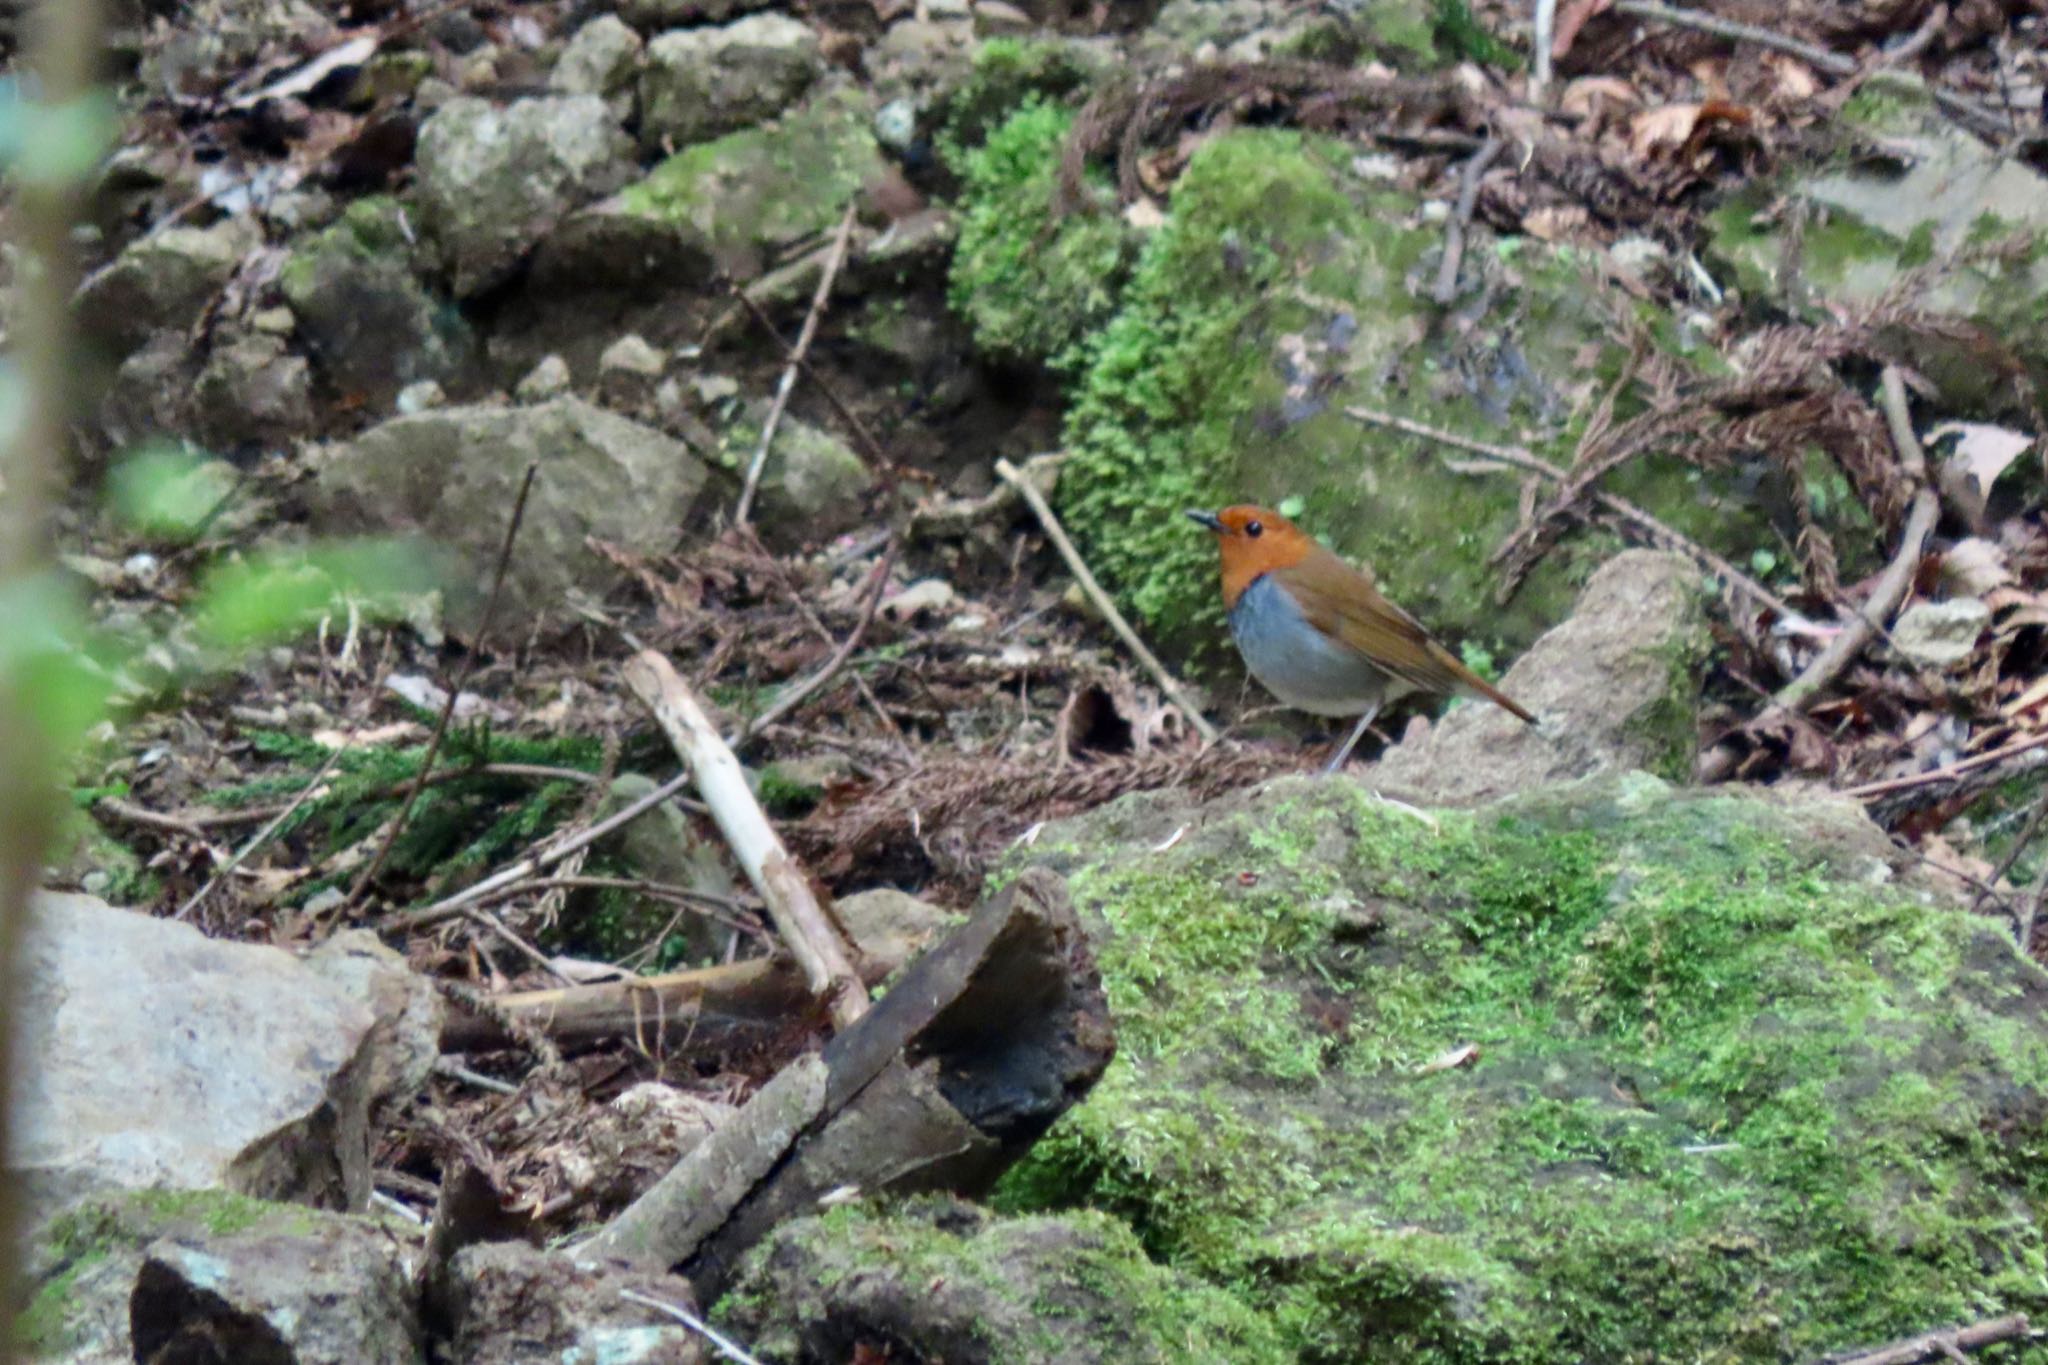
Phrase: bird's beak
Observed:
(1208, 520)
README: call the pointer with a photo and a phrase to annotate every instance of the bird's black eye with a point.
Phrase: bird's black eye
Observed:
(1252, 529)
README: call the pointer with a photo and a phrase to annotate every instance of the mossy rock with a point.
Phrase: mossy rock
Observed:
(1614, 1073)
(944, 1281)
(751, 191)
(1284, 285)
(82, 1262)
(1953, 226)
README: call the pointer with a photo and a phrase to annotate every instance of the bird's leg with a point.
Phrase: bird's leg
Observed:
(1357, 734)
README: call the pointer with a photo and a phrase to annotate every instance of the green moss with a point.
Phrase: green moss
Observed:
(1007, 74)
(1731, 1099)
(1030, 286)
(766, 185)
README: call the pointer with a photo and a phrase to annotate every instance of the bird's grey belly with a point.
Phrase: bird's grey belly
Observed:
(1294, 661)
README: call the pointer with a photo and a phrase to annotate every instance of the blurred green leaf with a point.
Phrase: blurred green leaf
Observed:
(50, 146)
(1292, 506)
(275, 593)
(46, 662)
(168, 491)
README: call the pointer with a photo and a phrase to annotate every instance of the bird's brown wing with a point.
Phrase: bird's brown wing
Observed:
(1344, 603)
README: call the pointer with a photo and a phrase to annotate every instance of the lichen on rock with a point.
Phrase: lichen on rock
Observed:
(1612, 1072)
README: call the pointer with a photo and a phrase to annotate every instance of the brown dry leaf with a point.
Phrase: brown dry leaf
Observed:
(1964, 870)
(1794, 78)
(1555, 222)
(1571, 17)
(1976, 566)
(1672, 128)
(1448, 1059)
(1585, 96)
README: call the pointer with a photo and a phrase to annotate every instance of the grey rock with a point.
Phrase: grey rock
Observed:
(548, 379)
(511, 1304)
(922, 57)
(418, 397)
(1940, 635)
(629, 371)
(160, 1057)
(405, 1042)
(151, 392)
(653, 16)
(369, 323)
(1615, 687)
(452, 474)
(812, 483)
(889, 926)
(253, 391)
(701, 82)
(493, 182)
(163, 281)
(332, 1291)
(83, 1262)
(602, 59)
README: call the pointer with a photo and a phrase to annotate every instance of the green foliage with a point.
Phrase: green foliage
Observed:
(1731, 1100)
(53, 146)
(1032, 286)
(270, 594)
(168, 492)
(1008, 73)
(1461, 37)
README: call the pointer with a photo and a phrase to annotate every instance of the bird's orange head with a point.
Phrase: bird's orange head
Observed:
(1253, 541)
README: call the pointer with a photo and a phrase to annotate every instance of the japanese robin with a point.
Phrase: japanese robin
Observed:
(1318, 634)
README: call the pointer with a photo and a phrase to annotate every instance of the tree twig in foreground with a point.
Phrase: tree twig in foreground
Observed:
(1100, 599)
(1943, 1343)
(813, 939)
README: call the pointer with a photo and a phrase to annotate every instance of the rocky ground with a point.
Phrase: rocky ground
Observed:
(443, 356)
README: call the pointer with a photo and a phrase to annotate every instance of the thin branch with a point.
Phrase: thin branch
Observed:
(1461, 218)
(720, 1342)
(264, 835)
(814, 941)
(1947, 772)
(486, 920)
(1540, 43)
(789, 371)
(1892, 585)
(1946, 1342)
(1520, 457)
(794, 696)
(450, 906)
(1079, 568)
(1834, 63)
(476, 647)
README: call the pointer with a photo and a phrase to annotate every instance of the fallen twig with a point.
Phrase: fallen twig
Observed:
(476, 646)
(787, 383)
(263, 836)
(1890, 588)
(1947, 772)
(1100, 599)
(1520, 457)
(450, 906)
(1541, 41)
(720, 1342)
(813, 939)
(484, 919)
(1834, 63)
(1945, 1342)
(1461, 218)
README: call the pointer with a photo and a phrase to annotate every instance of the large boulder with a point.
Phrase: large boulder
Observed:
(452, 475)
(493, 181)
(1610, 1072)
(154, 1055)
(163, 281)
(942, 1280)
(509, 1304)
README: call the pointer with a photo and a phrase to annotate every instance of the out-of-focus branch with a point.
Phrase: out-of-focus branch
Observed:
(64, 54)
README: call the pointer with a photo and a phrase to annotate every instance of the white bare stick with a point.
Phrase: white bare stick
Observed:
(814, 942)
(1100, 599)
(789, 371)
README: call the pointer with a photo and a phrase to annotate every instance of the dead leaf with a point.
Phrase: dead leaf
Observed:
(1445, 1061)
(1982, 452)
(1555, 222)
(1965, 871)
(1976, 566)
(1586, 95)
(1673, 128)
(1571, 17)
(1795, 80)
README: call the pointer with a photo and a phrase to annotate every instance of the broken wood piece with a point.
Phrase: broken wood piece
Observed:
(813, 939)
(986, 1040)
(719, 1010)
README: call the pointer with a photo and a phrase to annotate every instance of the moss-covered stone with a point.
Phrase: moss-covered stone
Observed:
(946, 1282)
(1284, 285)
(761, 187)
(1616, 1073)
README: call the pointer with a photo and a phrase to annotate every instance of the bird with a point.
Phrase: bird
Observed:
(1318, 634)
